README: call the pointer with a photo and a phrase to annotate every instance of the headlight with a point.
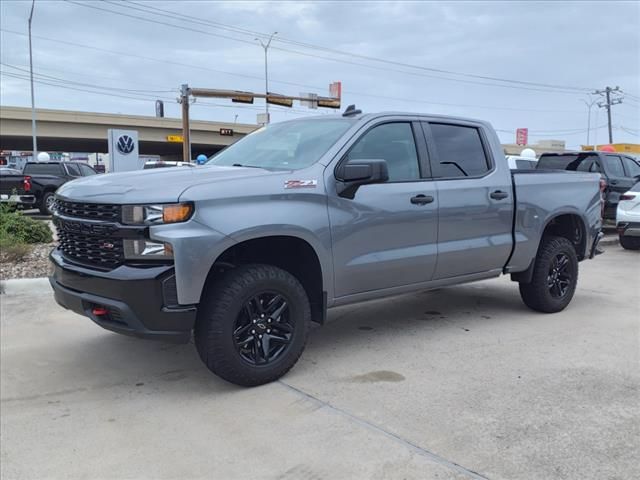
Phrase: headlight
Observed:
(156, 214)
(143, 249)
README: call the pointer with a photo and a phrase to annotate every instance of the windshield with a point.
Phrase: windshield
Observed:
(286, 146)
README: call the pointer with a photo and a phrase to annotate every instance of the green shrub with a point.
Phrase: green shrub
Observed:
(16, 228)
(12, 251)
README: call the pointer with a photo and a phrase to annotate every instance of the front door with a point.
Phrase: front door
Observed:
(618, 181)
(386, 235)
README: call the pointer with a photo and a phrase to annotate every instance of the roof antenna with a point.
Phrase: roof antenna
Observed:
(351, 110)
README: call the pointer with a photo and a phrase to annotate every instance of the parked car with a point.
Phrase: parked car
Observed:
(301, 216)
(164, 164)
(46, 177)
(628, 218)
(619, 172)
(15, 188)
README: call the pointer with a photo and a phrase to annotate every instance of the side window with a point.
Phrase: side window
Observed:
(73, 170)
(394, 143)
(459, 151)
(86, 170)
(632, 168)
(613, 165)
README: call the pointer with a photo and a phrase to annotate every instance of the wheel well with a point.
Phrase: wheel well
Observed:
(571, 227)
(292, 254)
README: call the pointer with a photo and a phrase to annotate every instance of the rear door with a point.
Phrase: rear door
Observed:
(475, 200)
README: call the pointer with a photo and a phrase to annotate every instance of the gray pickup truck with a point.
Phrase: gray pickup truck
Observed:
(301, 216)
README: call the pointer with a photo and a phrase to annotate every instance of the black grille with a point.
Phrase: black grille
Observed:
(96, 250)
(94, 211)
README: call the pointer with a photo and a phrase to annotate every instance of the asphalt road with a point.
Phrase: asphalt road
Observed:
(462, 382)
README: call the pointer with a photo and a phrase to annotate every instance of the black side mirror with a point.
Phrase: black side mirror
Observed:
(351, 174)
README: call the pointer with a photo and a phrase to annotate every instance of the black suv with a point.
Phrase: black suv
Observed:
(619, 171)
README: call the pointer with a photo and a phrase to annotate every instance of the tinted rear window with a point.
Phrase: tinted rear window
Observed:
(460, 151)
(42, 168)
(569, 161)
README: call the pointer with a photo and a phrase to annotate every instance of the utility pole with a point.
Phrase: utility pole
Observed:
(608, 103)
(186, 133)
(33, 101)
(266, 75)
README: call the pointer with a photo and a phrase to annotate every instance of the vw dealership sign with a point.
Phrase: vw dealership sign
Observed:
(123, 151)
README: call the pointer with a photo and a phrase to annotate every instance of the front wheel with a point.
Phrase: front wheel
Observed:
(253, 324)
(555, 276)
(630, 243)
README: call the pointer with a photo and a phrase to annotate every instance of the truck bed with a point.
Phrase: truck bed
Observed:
(543, 194)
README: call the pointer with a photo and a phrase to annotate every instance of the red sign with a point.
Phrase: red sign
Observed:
(522, 136)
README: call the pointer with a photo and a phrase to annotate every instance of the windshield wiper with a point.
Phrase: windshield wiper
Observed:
(246, 166)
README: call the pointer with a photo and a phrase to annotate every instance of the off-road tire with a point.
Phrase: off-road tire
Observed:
(43, 203)
(221, 303)
(630, 243)
(536, 294)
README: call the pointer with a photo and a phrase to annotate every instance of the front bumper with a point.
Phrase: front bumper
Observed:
(628, 229)
(136, 301)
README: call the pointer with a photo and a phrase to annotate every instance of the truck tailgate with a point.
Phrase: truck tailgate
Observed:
(543, 195)
(11, 185)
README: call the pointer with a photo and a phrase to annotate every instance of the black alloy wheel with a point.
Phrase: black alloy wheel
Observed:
(252, 325)
(263, 329)
(554, 277)
(559, 278)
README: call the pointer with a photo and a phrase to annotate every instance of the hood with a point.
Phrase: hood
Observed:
(161, 185)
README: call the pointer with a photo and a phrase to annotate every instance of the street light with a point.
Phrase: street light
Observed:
(589, 105)
(33, 102)
(266, 76)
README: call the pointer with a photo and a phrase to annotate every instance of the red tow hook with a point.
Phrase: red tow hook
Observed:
(99, 311)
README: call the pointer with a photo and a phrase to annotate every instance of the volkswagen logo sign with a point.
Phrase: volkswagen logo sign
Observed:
(125, 144)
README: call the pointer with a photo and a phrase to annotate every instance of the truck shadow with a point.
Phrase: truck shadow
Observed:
(166, 366)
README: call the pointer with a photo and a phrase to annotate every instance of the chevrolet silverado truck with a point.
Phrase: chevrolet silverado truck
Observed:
(243, 253)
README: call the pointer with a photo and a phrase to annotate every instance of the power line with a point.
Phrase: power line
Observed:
(375, 67)
(196, 20)
(254, 77)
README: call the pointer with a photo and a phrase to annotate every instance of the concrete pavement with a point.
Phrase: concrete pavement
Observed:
(462, 382)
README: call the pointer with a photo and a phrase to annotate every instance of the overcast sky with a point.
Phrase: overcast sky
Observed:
(579, 46)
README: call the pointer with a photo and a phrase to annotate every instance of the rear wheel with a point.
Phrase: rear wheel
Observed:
(555, 276)
(46, 205)
(253, 324)
(630, 243)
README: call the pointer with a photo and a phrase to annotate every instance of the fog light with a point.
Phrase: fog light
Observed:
(143, 249)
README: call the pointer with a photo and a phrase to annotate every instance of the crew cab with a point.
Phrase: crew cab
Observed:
(618, 171)
(246, 251)
(46, 177)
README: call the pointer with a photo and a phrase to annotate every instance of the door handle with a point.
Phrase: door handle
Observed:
(421, 199)
(614, 182)
(499, 195)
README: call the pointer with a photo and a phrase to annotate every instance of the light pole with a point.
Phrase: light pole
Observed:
(589, 105)
(266, 75)
(33, 102)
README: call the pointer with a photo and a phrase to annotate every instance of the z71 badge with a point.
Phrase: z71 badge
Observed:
(301, 184)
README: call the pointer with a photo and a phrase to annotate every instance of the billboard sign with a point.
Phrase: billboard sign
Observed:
(123, 150)
(522, 136)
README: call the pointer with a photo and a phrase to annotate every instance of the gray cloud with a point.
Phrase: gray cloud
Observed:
(580, 44)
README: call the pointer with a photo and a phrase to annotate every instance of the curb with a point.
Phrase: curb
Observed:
(25, 286)
(609, 240)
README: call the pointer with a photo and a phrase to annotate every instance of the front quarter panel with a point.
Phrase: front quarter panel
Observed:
(228, 213)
